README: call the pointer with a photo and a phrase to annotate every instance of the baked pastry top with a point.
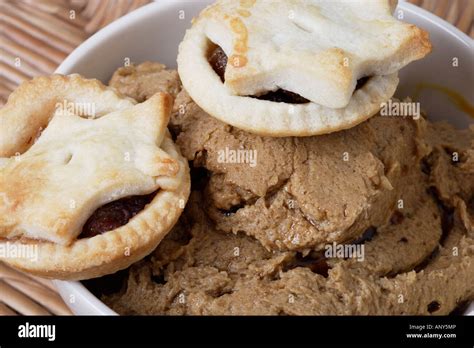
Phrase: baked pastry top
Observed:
(317, 51)
(95, 178)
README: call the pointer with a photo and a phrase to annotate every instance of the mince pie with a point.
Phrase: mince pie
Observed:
(91, 192)
(299, 67)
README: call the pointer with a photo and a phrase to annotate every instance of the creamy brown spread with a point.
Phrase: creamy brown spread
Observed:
(302, 192)
(253, 239)
(139, 81)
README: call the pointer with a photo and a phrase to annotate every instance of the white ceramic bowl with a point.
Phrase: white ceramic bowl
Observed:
(154, 32)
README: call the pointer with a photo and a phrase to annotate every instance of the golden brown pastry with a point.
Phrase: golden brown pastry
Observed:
(93, 191)
(296, 67)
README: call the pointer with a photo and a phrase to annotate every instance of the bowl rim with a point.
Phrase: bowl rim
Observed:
(95, 40)
(439, 22)
(76, 288)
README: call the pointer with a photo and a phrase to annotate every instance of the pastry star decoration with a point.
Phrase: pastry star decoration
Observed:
(78, 165)
(318, 49)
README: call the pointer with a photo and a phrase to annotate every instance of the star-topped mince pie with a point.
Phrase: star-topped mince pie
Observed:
(296, 67)
(90, 182)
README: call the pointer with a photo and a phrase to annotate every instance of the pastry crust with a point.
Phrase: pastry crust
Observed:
(263, 41)
(35, 185)
(114, 250)
(270, 118)
(31, 106)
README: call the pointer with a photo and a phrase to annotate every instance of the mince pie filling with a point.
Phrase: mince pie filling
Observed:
(115, 214)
